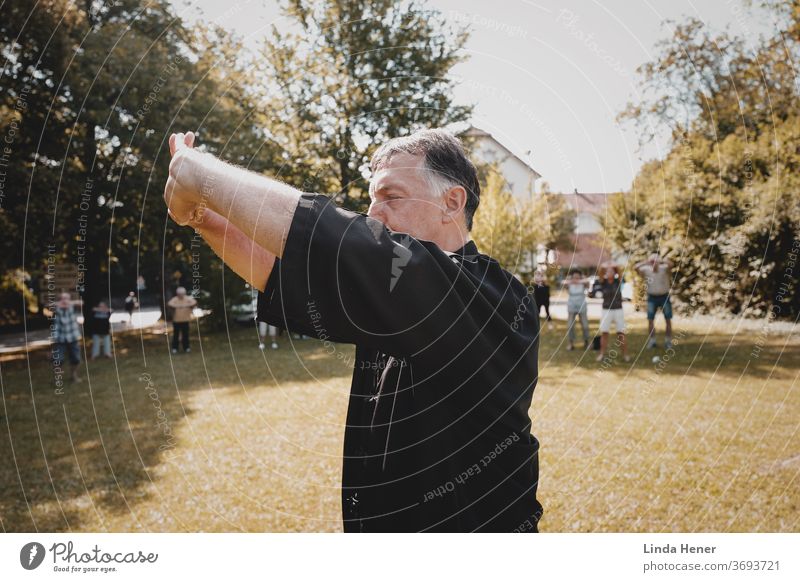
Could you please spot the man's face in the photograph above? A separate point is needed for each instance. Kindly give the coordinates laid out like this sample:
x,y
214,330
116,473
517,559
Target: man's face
x,y
402,199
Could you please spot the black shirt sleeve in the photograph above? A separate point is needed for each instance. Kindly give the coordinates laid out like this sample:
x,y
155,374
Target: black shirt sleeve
x,y
345,277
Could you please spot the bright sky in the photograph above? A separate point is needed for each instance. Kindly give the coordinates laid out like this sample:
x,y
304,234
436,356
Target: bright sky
x,y
546,76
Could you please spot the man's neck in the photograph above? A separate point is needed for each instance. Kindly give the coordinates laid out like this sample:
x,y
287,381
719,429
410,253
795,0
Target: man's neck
x,y
453,240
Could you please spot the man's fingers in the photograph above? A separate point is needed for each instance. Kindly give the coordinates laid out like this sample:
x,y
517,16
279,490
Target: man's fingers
x,y
175,218
179,141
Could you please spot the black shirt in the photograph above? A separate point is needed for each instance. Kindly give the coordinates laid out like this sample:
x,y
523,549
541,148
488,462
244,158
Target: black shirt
x,y
101,322
438,432
612,293
541,293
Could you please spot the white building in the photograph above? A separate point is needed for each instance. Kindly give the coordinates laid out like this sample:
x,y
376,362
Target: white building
x,y
519,176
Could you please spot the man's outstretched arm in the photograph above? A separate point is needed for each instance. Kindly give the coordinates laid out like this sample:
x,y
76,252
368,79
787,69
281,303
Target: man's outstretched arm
x,y
243,256
260,208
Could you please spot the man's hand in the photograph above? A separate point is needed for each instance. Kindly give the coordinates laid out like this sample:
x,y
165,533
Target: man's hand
x,y
261,208
182,192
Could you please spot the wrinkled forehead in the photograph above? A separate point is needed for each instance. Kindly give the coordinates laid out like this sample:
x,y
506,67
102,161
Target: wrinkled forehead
x,y
401,169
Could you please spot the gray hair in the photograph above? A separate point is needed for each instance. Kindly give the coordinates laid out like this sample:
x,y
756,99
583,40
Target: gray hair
x,y
446,162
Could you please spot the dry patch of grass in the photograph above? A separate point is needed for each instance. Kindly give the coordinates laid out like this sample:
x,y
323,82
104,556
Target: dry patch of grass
x,y
232,439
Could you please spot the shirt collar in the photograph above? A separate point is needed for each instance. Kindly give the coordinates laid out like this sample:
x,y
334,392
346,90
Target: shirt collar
x,y
467,250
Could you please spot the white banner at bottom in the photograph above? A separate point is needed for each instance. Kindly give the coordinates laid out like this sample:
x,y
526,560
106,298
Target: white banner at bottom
x,y
406,558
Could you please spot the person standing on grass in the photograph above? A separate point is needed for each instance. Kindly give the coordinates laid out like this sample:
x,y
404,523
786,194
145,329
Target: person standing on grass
x,y
541,294
612,309
182,307
576,307
67,335
264,330
130,305
438,423
657,276
101,330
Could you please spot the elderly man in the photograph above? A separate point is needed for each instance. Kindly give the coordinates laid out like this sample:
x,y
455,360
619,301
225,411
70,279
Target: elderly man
x,y
182,308
657,276
438,431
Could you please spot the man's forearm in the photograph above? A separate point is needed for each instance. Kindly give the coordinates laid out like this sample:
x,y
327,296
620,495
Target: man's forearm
x,y
258,206
244,257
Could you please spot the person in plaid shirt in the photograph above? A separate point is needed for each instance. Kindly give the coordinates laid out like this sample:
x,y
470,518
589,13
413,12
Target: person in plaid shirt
x,y
67,334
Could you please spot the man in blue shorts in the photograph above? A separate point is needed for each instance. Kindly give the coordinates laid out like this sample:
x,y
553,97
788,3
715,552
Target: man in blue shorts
x,y
657,276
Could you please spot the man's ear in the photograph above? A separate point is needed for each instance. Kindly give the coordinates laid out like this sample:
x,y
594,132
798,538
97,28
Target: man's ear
x,y
455,199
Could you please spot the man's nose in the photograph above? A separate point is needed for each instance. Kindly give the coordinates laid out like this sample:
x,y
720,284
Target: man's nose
x,y
377,211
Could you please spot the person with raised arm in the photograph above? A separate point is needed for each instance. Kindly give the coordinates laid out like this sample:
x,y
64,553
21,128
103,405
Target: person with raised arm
x,y
438,434
657,275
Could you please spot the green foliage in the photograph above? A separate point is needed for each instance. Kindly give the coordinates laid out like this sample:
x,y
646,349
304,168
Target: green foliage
x,y
94,89
14,293
503,227
559,219
345,76
513,231
722,204
91,91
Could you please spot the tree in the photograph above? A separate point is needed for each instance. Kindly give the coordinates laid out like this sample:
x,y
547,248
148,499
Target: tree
x,y
559,219
722,202
348,75
103,84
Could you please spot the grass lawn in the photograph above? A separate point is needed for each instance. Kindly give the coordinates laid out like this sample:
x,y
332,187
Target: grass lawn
x,y
228,438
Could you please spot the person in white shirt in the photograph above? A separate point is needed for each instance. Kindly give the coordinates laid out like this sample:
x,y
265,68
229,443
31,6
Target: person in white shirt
x,y
657,275
183,306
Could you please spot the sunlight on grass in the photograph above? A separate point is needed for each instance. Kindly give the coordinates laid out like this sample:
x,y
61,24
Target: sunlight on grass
x,y
230,438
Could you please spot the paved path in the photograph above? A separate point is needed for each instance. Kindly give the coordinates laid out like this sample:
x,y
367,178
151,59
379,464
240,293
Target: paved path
x,y
18,342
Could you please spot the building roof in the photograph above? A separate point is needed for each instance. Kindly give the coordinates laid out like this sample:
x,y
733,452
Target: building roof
x,y
594,202
473,131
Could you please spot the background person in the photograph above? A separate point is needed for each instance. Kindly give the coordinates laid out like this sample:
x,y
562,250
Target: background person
x,y
67,335
576,307
101,330
264,330
130,305
182,305
657,275
612,309
541,294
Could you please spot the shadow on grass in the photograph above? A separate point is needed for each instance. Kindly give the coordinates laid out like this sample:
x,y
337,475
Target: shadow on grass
x,y
92,448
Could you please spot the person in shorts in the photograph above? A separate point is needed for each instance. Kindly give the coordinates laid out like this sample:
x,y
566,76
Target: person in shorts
x,y
656,273
264,330
612,309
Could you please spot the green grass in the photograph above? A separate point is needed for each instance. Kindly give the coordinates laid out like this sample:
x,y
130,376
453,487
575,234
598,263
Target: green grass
x,y
708,441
